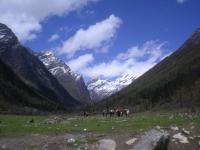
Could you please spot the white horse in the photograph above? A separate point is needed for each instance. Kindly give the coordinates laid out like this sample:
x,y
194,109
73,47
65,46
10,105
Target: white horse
x,y
112,112
105,112
126,111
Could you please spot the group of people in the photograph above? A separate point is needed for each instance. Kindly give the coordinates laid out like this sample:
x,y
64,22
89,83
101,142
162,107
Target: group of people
x,y
117,112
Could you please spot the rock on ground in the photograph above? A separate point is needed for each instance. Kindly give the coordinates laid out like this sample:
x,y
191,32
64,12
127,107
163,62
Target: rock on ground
x,y
174,128
153,140
107,144
182,139
131,141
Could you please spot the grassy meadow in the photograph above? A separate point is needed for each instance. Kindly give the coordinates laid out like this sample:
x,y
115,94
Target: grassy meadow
x,y
18,125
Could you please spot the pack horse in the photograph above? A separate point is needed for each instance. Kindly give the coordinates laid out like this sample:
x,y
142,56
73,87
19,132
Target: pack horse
x,y
118,112
122,112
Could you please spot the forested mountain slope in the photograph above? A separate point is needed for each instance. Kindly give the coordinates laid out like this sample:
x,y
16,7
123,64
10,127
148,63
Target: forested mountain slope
x,y
174,81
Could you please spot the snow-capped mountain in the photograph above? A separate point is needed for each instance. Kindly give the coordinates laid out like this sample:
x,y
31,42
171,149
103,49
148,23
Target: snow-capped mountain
x,y
100,89
96,89
70,80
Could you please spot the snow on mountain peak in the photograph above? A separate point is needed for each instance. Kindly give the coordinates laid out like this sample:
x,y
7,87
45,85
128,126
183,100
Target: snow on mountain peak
x,y
100,89
70,80
7,37
47,58
55,65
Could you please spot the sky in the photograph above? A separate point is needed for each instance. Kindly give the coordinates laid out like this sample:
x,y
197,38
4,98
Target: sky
x,y
103,38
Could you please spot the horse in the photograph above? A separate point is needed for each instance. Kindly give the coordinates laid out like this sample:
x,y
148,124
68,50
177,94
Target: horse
x,y
112,112
121,112
104,113
126,112
85,114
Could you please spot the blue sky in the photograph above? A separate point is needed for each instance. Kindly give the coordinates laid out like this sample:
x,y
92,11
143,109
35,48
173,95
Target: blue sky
x,y
104,38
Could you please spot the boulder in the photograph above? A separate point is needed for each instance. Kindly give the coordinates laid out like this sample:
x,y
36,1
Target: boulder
x,y
182,139
107,144
131,141
153,140
71,140
174,128
184,131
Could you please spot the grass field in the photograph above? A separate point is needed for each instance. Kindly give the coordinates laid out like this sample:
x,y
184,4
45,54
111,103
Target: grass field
x,y
15,125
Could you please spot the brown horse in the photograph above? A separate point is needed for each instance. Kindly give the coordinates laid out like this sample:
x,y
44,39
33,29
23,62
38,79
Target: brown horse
x,y
85,114
121,112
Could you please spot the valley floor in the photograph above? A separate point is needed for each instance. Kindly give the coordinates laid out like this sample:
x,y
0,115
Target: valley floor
x,y
76,132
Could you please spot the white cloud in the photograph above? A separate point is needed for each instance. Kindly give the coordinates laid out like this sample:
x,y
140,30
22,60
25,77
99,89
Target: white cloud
x,y
80,62
95,37
24,26
25,16
135,60
150,50
106,69
54,37
181,1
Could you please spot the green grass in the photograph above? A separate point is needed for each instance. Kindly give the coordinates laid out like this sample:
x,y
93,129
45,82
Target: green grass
x,y
13,125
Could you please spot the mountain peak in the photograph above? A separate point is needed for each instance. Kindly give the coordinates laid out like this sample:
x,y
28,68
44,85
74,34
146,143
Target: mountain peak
x,y
92,80
56,65
7,37
48,53
47,57
100,89
71,81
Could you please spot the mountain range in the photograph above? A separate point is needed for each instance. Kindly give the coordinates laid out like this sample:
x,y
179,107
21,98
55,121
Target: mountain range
x,y
45,79
42,81
94,90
